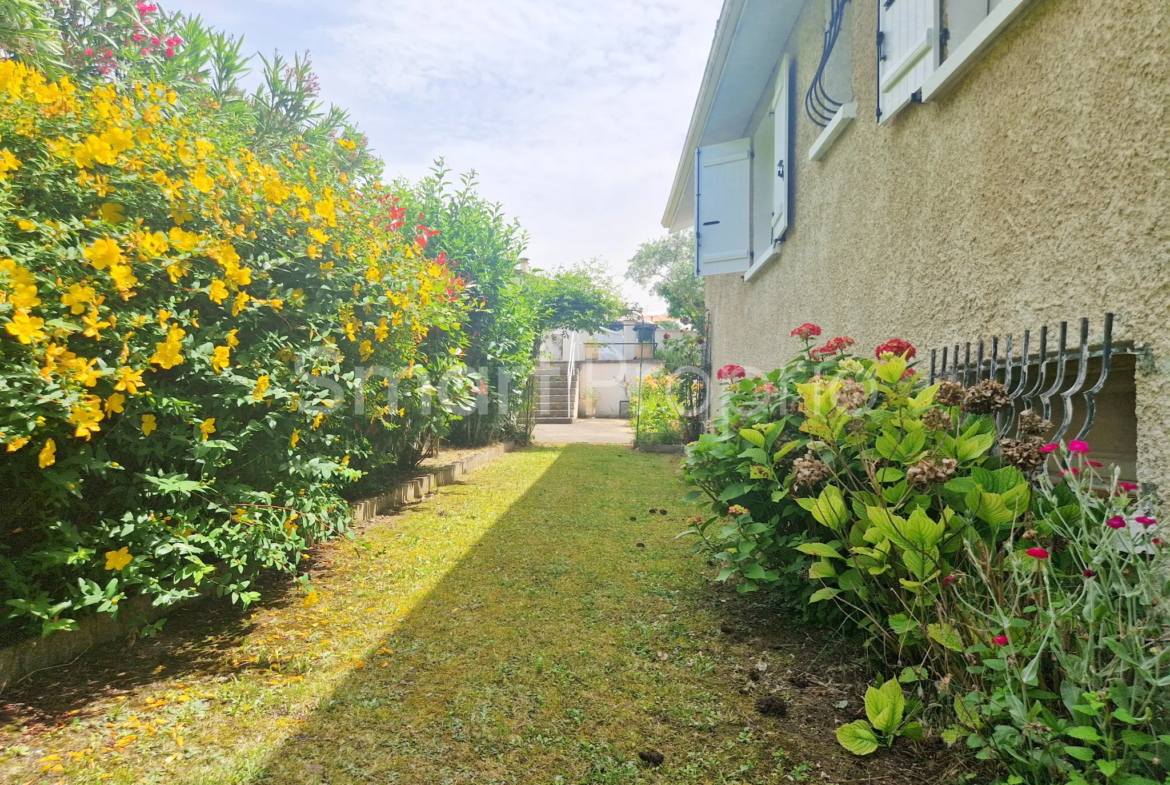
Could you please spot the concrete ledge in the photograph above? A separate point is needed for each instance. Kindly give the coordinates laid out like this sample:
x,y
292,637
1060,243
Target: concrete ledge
x,y
662,448
36,654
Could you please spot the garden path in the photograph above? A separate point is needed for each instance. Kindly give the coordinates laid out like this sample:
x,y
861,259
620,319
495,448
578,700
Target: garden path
x,y
535,625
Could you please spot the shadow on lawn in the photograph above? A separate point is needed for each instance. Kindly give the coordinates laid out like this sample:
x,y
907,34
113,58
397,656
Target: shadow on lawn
x,y
576,633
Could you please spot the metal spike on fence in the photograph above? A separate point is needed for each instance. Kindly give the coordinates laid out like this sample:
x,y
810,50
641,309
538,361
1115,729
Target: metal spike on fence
x,y
1026,388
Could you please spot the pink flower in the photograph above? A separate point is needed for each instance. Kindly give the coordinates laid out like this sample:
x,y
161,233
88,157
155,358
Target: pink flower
x,y
730,373
1095,464
949,580
806,331
834,346
1050,448
89,51
1157,541
136,37
1088,573
1079,447
1127,486
898,348
1116,522
735,509
1000,640
170,52
155,40
1069,471
1037,553
1146,520
146,8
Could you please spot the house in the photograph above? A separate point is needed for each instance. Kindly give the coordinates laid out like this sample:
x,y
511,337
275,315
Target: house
x,y
602,365
944,171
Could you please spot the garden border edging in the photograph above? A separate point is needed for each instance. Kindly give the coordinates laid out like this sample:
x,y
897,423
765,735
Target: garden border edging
x,y
35,654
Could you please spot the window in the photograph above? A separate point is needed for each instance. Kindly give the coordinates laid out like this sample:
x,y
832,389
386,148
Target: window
x,y
908,52
971,26
723,176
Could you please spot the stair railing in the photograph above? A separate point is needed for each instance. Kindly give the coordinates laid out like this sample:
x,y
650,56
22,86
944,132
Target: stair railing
x,y
571,357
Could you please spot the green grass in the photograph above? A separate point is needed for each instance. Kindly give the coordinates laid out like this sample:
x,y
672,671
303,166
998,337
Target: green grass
x,y
509,630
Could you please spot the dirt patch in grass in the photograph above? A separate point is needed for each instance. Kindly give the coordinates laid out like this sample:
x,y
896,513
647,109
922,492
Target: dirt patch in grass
x,y
508,630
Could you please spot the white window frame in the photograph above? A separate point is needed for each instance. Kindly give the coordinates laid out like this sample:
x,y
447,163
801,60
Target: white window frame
x,y
841,120
968,51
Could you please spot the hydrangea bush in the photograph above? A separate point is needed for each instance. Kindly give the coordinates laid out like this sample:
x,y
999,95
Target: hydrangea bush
x,y
1033,608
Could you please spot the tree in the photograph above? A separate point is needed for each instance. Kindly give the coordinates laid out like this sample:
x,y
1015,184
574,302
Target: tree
x,y
667,266
579,298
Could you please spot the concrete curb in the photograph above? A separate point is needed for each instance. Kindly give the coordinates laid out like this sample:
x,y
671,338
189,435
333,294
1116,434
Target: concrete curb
x,y
669,449
36,654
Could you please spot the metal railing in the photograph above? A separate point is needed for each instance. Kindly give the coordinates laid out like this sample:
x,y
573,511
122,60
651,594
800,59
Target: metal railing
x,y
570,399
1026,378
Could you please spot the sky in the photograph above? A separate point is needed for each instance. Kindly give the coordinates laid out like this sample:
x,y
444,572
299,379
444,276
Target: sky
x,y
573,113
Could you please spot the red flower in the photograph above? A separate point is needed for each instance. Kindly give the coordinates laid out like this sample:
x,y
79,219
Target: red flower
x,y
1000,640
1157,541
950,579
1088,573
1146,520
898,348
1095,464
666,336
1126,486
834,346
1037,553
170,52
730,373
806,331
1079,447
1116,522
1050,448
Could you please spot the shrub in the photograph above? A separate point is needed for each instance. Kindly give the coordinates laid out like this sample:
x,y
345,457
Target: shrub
x,y
183,317
1035,608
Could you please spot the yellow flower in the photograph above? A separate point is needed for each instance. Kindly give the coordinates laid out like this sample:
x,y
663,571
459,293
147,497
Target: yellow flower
x,y
78,296
17,443
220,358
366,349
85,416
218,291
123,277
115,403
312,598
207,427
85,374
26,225
25,328
129,380
117,560
149,424
168,353
183,240
232,340
93,324
113,213
382,331
48,454
240,303
103,253
8,163
296,437
262,385
201,181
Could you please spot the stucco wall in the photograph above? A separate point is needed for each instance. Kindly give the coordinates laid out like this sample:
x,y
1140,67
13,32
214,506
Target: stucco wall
x,y
1034,192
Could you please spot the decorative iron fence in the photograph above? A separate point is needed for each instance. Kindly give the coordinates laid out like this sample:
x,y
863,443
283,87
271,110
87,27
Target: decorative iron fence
x,y
1041,377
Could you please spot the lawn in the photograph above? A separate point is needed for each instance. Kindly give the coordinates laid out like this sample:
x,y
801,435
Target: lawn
x,y
535,625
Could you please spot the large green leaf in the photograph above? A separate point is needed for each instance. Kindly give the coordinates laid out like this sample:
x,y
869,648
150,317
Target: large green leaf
x,y
945,635
826,593
822,570
734,491
830,509
753,436
896,700
819,549
857,737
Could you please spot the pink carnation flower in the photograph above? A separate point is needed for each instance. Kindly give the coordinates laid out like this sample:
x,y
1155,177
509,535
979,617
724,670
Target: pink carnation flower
x,y
1116,522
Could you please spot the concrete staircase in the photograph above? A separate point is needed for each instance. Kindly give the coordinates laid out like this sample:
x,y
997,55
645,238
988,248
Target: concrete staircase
x,y
555,394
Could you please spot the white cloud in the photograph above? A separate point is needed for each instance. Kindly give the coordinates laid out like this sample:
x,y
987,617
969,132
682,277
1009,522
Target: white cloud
x,y
572,111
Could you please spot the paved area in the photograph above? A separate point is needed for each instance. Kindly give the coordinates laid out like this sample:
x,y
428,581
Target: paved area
x,y
594,430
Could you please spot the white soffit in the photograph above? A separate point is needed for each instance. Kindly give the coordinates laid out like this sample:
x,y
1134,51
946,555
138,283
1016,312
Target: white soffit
x,y
749,42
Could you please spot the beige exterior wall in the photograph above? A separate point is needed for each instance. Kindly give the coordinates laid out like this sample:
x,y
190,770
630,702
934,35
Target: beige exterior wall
x,y
1035,191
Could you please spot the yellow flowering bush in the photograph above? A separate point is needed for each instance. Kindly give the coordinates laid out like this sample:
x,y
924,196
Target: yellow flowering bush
x,y
183,313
